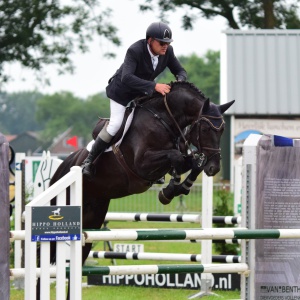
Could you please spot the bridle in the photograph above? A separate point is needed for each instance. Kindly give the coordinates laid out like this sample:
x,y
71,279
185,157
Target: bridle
x,y
197,124
199,154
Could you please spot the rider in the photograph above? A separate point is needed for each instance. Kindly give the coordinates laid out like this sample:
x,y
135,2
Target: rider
x,y
144,61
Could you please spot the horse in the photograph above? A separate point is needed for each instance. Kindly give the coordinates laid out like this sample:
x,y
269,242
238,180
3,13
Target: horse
x,y
173,134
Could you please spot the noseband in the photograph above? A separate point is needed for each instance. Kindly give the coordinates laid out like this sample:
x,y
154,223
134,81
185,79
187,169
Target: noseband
x,y
198,123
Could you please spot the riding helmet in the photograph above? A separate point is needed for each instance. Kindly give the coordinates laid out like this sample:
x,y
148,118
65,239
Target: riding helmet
x,y
159,31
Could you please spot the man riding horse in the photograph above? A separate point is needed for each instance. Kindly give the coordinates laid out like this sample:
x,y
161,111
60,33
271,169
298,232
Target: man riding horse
x,y
144,61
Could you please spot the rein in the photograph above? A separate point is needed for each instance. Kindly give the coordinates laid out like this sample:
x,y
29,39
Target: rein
x,y
197,123
178,127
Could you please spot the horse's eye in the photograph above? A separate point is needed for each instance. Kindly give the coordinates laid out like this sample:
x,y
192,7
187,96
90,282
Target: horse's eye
x,y
205,129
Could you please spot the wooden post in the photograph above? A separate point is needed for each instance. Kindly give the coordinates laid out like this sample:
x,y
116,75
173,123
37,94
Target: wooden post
x,y
4,219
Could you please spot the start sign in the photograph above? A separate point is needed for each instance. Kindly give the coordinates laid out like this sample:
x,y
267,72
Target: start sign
x,y
129,248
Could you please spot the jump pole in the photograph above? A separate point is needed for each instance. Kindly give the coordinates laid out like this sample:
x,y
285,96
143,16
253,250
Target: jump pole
x,y
181,234
146,269
178,218
162,256
190,234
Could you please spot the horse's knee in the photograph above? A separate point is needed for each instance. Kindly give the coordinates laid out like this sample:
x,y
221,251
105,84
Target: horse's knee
x,y
177,160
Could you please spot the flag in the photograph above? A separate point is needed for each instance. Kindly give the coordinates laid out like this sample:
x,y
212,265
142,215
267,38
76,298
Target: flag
x,y
73,141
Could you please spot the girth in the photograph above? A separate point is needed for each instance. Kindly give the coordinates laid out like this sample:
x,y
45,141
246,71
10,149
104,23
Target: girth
x,y
133,178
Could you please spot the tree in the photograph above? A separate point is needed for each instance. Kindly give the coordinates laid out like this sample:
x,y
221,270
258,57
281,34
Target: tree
x,y
62,110
203,72
264,14
37,33
17,112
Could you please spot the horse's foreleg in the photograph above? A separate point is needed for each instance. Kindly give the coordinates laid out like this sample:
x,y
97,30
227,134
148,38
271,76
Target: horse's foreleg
x,y
197,167
167,194
175,188
155,162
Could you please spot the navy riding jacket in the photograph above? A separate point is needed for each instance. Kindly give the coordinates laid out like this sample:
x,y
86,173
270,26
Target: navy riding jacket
x,y
136,76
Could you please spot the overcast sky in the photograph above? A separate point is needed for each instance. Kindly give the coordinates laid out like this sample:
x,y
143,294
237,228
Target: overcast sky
x,y
93,70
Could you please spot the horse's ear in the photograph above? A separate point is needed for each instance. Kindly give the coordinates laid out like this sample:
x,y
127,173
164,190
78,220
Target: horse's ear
x,y
206,105
224,107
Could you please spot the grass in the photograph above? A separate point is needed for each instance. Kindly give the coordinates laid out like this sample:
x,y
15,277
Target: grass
x,y
133,293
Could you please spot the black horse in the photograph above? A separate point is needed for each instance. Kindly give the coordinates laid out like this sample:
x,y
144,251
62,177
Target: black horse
x,y
175,134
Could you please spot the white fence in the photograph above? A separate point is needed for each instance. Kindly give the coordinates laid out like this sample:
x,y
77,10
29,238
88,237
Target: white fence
x,y
73,180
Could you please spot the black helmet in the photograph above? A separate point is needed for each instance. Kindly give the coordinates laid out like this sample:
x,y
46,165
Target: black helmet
x,y
159,31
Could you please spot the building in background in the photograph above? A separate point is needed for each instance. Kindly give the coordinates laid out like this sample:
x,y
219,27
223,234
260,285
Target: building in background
x,y
260,69
29,143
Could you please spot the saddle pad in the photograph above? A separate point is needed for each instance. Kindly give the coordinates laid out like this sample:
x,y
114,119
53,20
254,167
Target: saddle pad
x,y
127,125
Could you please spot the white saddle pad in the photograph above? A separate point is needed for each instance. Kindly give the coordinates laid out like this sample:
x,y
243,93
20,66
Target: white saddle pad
x,y
127,125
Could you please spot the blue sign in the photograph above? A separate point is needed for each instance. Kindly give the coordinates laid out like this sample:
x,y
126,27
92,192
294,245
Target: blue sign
x,y
55,238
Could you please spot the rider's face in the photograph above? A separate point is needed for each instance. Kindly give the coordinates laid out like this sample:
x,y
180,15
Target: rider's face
x,y
158,47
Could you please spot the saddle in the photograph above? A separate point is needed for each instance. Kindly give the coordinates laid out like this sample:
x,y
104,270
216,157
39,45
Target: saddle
x,y
102,121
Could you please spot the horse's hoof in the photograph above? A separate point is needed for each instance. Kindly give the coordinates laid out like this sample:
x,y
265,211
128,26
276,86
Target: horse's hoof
x,y
163,199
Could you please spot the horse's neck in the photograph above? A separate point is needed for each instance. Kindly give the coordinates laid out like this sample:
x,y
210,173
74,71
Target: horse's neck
x,y
186,110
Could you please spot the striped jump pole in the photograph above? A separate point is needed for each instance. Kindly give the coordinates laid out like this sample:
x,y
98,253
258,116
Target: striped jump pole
x,y
190,234
189,218
147,269
162,256
166,269
16,235
187,234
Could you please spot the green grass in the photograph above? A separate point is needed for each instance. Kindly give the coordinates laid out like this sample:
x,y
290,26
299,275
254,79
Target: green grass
x,y
133,293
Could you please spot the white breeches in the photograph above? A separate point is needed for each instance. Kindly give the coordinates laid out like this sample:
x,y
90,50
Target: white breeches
x,y
116,117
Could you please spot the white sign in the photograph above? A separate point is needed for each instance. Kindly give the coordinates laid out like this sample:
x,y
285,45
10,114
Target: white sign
x,y
129,247
288,128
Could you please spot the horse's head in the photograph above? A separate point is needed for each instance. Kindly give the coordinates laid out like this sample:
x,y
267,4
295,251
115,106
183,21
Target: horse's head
x,y
205,134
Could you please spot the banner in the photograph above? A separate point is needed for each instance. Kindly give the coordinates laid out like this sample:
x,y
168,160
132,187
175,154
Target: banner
x,y
277,274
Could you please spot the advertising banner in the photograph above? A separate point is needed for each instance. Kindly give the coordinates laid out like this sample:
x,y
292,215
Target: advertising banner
x,y
55,223
277,273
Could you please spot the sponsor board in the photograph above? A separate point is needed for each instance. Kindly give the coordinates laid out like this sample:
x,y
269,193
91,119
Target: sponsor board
x,y
228,282
56,223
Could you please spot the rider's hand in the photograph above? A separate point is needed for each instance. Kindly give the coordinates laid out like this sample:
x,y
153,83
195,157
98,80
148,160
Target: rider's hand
x,y
162,88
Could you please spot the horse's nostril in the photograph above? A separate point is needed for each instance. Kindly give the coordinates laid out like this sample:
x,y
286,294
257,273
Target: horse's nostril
x,y
213,170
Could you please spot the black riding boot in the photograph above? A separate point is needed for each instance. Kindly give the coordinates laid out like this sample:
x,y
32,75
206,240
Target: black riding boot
x,y
97,149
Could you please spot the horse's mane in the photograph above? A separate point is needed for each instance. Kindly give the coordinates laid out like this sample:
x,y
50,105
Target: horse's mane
x,y
180,84
174,86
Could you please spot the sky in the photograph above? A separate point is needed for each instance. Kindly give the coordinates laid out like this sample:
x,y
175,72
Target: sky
x,y
93,70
